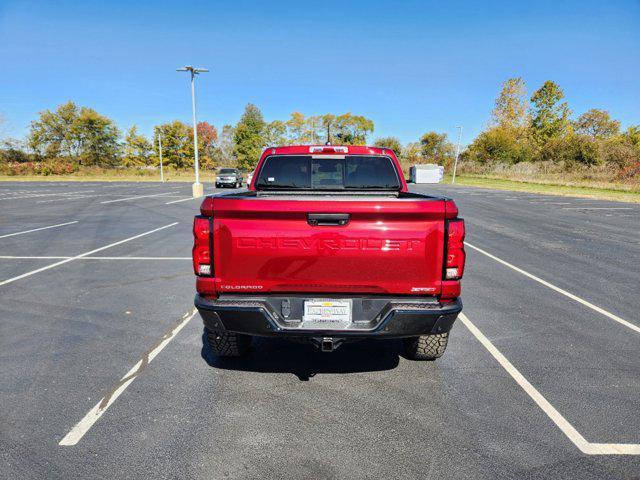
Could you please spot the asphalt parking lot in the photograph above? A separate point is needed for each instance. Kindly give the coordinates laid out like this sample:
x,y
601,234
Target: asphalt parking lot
x,y
103,373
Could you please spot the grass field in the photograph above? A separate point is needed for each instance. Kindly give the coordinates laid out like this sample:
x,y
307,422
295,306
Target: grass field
x,y
619,193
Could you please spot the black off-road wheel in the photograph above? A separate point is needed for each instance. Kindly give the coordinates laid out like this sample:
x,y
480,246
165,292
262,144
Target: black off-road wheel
x,y
228,344
426,347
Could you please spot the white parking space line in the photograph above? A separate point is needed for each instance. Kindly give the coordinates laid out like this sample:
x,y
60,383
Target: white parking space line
x,y
95,196
38,229
597,208
24,257
66,199
13,192
550,200
46,195
182,200
83,426
82,255
135,198
136,258
570,295
78,197
20,257
557,418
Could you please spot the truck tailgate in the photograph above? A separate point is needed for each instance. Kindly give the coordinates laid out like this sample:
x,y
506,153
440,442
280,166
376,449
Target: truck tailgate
x,y
271,244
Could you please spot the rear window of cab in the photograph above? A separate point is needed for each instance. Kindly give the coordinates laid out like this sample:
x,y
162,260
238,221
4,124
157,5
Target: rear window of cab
x,y
307,172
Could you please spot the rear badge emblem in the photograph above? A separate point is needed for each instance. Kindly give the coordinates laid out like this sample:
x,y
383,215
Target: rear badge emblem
x,y
423,289
285,307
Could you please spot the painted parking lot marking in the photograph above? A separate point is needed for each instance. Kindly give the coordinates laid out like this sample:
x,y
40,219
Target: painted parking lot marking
x,y
597,208
67,198
135,198
557,418
38,229
92,416
570,295
61,257
20,192
548,202
77,197
181,200
45,195
137,258
82,255
20,257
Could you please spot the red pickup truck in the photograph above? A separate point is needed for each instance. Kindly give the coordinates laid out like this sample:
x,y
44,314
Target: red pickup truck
x,y
328,245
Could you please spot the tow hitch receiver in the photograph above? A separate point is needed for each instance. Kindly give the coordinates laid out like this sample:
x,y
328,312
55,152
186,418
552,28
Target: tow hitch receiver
x,y
327,344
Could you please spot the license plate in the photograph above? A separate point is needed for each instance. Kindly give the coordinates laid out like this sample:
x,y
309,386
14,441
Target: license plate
x,y
326,314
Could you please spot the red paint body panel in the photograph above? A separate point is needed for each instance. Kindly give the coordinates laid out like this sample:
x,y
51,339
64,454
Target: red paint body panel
x,y
388,246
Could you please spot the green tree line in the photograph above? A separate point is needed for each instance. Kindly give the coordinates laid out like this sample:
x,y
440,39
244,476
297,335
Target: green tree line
x,y
533,129
541,128
522,128
83,137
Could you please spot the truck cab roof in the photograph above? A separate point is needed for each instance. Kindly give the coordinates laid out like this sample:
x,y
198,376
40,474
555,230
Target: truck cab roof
x,y
351,171
327,149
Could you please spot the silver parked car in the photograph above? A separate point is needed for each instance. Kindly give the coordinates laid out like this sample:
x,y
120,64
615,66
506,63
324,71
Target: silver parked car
x,y
229,177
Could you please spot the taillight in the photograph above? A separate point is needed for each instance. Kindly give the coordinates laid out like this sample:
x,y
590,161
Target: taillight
x,y
201,253
454,265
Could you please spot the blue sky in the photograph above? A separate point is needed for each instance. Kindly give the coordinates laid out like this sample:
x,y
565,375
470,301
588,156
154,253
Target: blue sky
x,y
409,66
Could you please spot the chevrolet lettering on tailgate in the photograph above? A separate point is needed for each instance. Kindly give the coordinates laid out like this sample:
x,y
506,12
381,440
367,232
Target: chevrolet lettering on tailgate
x,y
300,243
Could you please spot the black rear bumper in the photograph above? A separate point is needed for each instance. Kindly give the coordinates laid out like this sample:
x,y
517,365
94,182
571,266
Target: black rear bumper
x,y
373,316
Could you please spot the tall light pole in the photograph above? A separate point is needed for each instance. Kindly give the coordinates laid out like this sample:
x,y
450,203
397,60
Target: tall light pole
x,y
455,164
198,191
160,152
